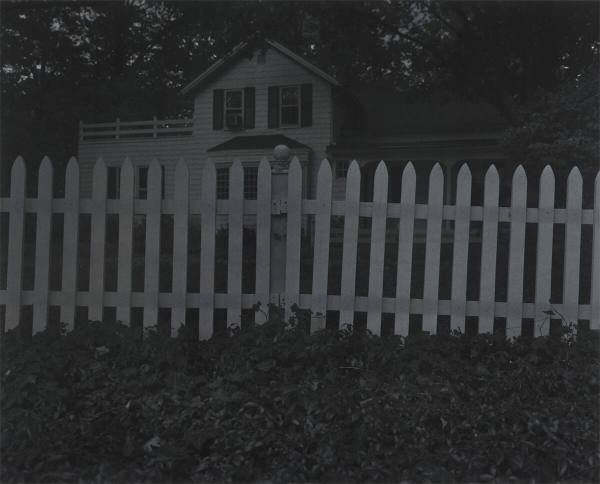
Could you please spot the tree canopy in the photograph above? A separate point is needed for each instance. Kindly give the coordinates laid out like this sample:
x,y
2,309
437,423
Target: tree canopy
x,y
96,61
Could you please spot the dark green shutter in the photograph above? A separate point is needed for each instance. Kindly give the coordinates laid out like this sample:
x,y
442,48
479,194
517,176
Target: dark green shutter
x,y
249,107
273,107
306,105
218,109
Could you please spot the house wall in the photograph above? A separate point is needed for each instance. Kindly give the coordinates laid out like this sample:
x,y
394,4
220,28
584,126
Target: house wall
x,y
278,70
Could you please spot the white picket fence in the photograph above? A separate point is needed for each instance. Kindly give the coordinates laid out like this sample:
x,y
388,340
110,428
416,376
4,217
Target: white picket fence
x,y
236,209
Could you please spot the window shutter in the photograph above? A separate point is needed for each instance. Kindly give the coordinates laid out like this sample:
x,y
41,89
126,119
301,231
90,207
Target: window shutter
x,y
306,102
249,107
273,107
218,109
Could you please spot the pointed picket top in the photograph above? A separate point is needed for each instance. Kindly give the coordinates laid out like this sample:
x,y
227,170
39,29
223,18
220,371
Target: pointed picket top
x,y
436,184
127,180
491,190
519,187
72,176
99,166
264,179
46,172
209,179
464,176
547,182
409,183
380,186
295,167
324,176
18,173
236,180
574,188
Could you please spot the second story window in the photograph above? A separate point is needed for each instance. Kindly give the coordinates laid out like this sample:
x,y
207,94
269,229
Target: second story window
x,y
222,183
290,106
234,111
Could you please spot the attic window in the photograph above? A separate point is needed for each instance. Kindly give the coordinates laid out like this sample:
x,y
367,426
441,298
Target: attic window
x,y
290,106
234,114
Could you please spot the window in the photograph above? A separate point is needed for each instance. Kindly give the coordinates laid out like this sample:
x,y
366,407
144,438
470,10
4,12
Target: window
x,y
234,115
341,169
222,183
113,182
250,182
289,106
141,187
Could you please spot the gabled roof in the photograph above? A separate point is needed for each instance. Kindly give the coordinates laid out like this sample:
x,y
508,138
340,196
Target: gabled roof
x,y
260,142
240,49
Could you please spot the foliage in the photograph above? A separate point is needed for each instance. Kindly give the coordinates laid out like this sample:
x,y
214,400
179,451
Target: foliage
x,y
271,403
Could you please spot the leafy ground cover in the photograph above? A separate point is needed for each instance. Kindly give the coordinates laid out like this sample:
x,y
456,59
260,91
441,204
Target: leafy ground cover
x,y
272,403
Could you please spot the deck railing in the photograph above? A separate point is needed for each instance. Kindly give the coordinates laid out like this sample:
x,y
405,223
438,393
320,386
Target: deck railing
x,y
153,128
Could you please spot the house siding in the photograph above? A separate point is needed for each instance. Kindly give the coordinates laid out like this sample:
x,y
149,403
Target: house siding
x,y
278,70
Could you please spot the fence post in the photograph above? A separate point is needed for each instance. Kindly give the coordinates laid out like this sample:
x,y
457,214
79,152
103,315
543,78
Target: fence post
x,y
572,246
98,237
125,251
263,237
235,243
207,255
180,243
293,233
15,243
42,246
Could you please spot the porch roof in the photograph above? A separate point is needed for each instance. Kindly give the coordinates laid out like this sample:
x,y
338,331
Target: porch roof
x,y
259,142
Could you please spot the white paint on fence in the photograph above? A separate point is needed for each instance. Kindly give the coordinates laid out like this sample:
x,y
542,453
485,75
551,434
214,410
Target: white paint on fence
x,y
377,254
435,207
487,282
235,244
207,253
97,241
42,245
572,246
16,222
460,254
263,238
293,237
125,251
70,246
321,247
405,249
152,255
352,208
180,243
183,205
543,265
516,252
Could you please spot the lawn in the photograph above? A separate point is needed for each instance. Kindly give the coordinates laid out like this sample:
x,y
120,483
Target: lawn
x,y
272,403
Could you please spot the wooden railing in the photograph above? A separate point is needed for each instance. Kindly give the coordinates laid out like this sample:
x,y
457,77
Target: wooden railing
x,y
153,128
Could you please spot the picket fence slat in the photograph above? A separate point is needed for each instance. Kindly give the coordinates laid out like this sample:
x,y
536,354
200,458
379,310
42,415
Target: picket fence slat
x,y
572,246
321,247
405,249
180,243
460,254
125,250
435,204
207,252
487,282
236,236
516,252
42,245
16,222
97,241
352,206
152,255
263,237
293,237
377,253
595,296
70,245
543,265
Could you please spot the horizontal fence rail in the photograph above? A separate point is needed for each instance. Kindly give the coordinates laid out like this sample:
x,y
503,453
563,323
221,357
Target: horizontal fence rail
x,y
279,256
153,128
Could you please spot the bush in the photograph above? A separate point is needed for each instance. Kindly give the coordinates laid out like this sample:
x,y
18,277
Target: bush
x,y
271,403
